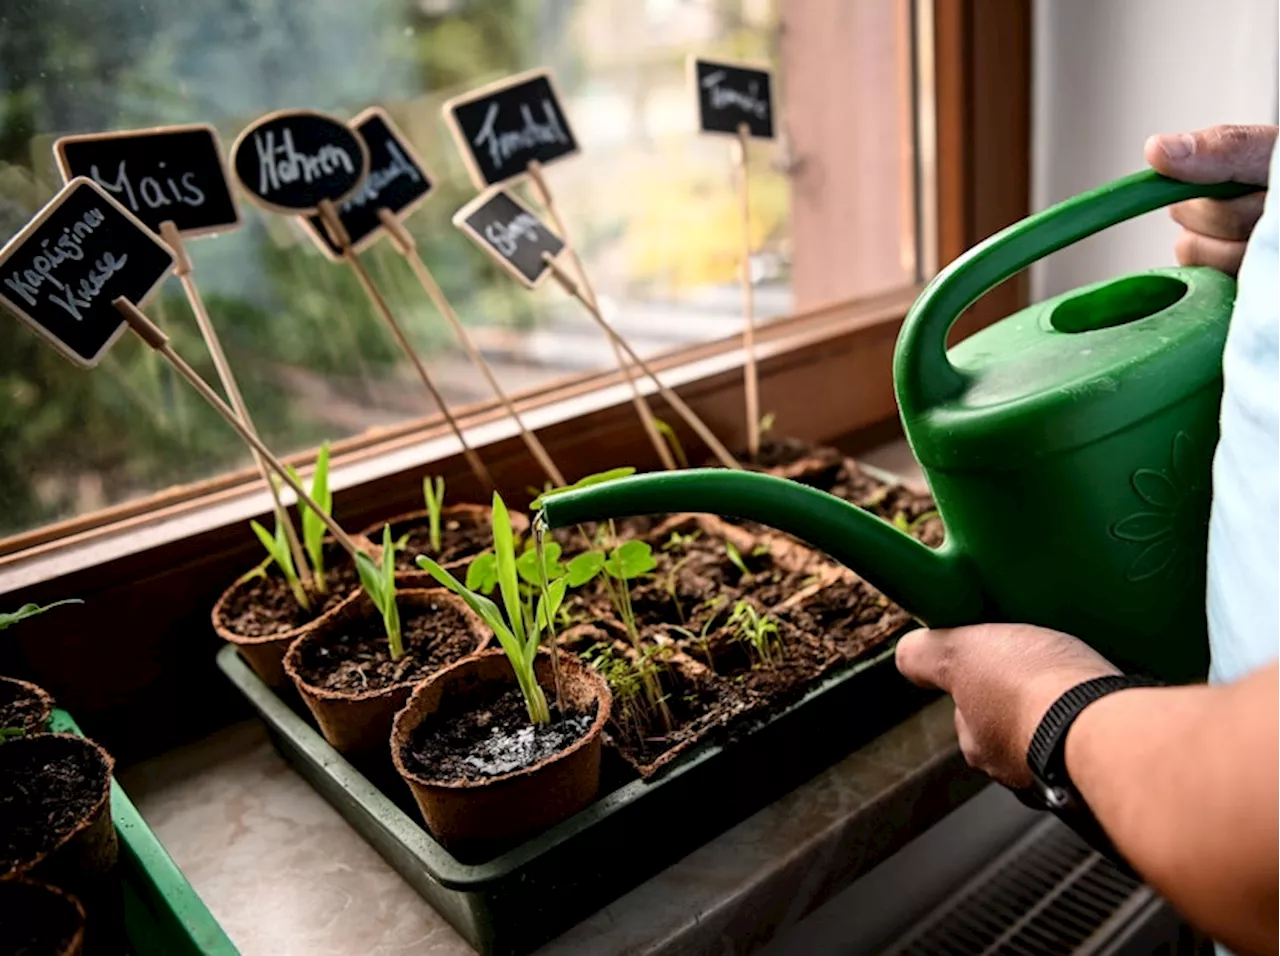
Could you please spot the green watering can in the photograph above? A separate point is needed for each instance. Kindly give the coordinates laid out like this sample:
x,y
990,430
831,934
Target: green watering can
x,y
1068,446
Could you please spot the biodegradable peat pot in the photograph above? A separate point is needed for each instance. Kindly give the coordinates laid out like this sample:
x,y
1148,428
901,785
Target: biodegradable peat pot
x,y
261,617
24,705
40,920
479,810
343,671
55,809
465,531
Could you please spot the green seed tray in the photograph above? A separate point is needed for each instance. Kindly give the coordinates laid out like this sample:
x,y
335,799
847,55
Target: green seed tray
x,y
161,913
513,902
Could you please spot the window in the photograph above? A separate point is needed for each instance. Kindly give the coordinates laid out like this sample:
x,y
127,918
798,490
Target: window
x,y
651,205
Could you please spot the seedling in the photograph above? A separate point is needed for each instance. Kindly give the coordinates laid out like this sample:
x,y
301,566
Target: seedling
x,y
736,559
519,635
703,637
380,584
758,631
670,583
313,529
277,547
433,492
599,478
678,541
901,522
10,733
629,680
673,442
11,618
767,421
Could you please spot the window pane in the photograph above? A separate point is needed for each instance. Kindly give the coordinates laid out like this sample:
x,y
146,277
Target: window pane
x,y
652,206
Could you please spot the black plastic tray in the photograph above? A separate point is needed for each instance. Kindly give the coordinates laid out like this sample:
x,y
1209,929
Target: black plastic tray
x,y
536,890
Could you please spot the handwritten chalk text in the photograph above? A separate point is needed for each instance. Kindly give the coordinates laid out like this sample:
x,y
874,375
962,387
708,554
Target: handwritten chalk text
x,y
281,164
74,294
503,145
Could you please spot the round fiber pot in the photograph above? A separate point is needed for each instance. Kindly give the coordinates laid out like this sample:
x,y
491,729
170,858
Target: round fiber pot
x,y
465,531
326,665
469,812
263,643
40,919
55,809
24,705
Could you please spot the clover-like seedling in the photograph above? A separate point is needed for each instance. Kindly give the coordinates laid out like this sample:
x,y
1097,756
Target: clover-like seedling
x,y
433,494
519,632
11,618
379,582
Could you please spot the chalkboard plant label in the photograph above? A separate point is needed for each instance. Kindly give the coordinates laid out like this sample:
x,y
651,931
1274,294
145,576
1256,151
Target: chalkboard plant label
x,y
397,181
730,94
292,160
502,128
505,228
173,173
61,273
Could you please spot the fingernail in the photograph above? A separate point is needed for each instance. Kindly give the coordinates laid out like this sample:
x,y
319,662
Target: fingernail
x,y
1178,147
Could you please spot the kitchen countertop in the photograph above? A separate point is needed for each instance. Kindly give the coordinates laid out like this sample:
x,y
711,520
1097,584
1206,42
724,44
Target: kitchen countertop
x,y
285,875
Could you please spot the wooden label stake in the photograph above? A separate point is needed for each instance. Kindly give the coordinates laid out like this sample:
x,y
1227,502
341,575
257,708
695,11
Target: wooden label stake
x,y
584,283
407,247
688,414
182,268
750,379
151,334
339,236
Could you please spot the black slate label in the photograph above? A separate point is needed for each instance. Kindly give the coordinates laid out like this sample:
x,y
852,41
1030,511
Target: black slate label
x,y
502,128
508,231
291,160
397,181
170,173
61,273
733,93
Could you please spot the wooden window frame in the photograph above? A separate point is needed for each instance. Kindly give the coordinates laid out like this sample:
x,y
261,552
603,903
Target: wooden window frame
x,y
135,661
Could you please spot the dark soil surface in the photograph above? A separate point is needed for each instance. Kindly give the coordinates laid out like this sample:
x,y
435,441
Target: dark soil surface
x,y
18,709
267,605
35,921
489,739
49,785
460,538
357,657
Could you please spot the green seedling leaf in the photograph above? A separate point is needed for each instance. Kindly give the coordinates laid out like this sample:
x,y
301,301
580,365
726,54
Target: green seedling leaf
x,y
527,564
11,618
546,612
379,581
613,474
10,733
482,573
767,422
584,567
313,528
900,521
504,548
277,546
673,441
630,560
735,558
433,494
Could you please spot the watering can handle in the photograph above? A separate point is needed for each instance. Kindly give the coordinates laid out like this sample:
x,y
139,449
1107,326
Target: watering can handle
x,y
923,377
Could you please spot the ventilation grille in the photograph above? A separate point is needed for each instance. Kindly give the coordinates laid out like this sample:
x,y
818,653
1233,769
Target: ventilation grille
x,y
1049,894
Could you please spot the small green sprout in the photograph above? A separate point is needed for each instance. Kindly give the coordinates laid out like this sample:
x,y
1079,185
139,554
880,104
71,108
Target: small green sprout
x,y
678,541
670,585
630,680
673,442
10,733
767,422
313,527
433,493
11,618
901,522
380,584
519,631
277,546
758,631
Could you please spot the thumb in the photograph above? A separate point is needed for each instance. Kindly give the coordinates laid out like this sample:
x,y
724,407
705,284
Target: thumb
x,y
923,657
1218,154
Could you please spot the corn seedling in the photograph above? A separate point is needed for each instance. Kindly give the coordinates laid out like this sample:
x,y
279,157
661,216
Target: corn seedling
x,y
673,442
519,635
379,582
313,529
277,546
11,618
433,494
758,631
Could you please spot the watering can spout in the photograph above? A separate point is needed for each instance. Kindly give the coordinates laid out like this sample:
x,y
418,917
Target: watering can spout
x,y
938,587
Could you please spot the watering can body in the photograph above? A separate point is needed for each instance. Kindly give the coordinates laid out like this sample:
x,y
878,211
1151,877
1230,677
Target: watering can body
x,y
1068,447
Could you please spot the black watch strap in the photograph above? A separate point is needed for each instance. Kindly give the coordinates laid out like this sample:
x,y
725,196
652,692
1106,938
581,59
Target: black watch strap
x,y
1046,757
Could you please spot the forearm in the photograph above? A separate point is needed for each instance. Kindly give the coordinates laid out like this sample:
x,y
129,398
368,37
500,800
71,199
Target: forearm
x,y
1184,780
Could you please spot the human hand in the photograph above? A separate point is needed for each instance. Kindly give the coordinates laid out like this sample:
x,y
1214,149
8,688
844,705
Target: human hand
x,y
1214,231
1003,677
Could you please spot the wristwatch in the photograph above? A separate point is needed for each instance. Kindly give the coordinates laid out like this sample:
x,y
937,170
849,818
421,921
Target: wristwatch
x,y
1052,788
